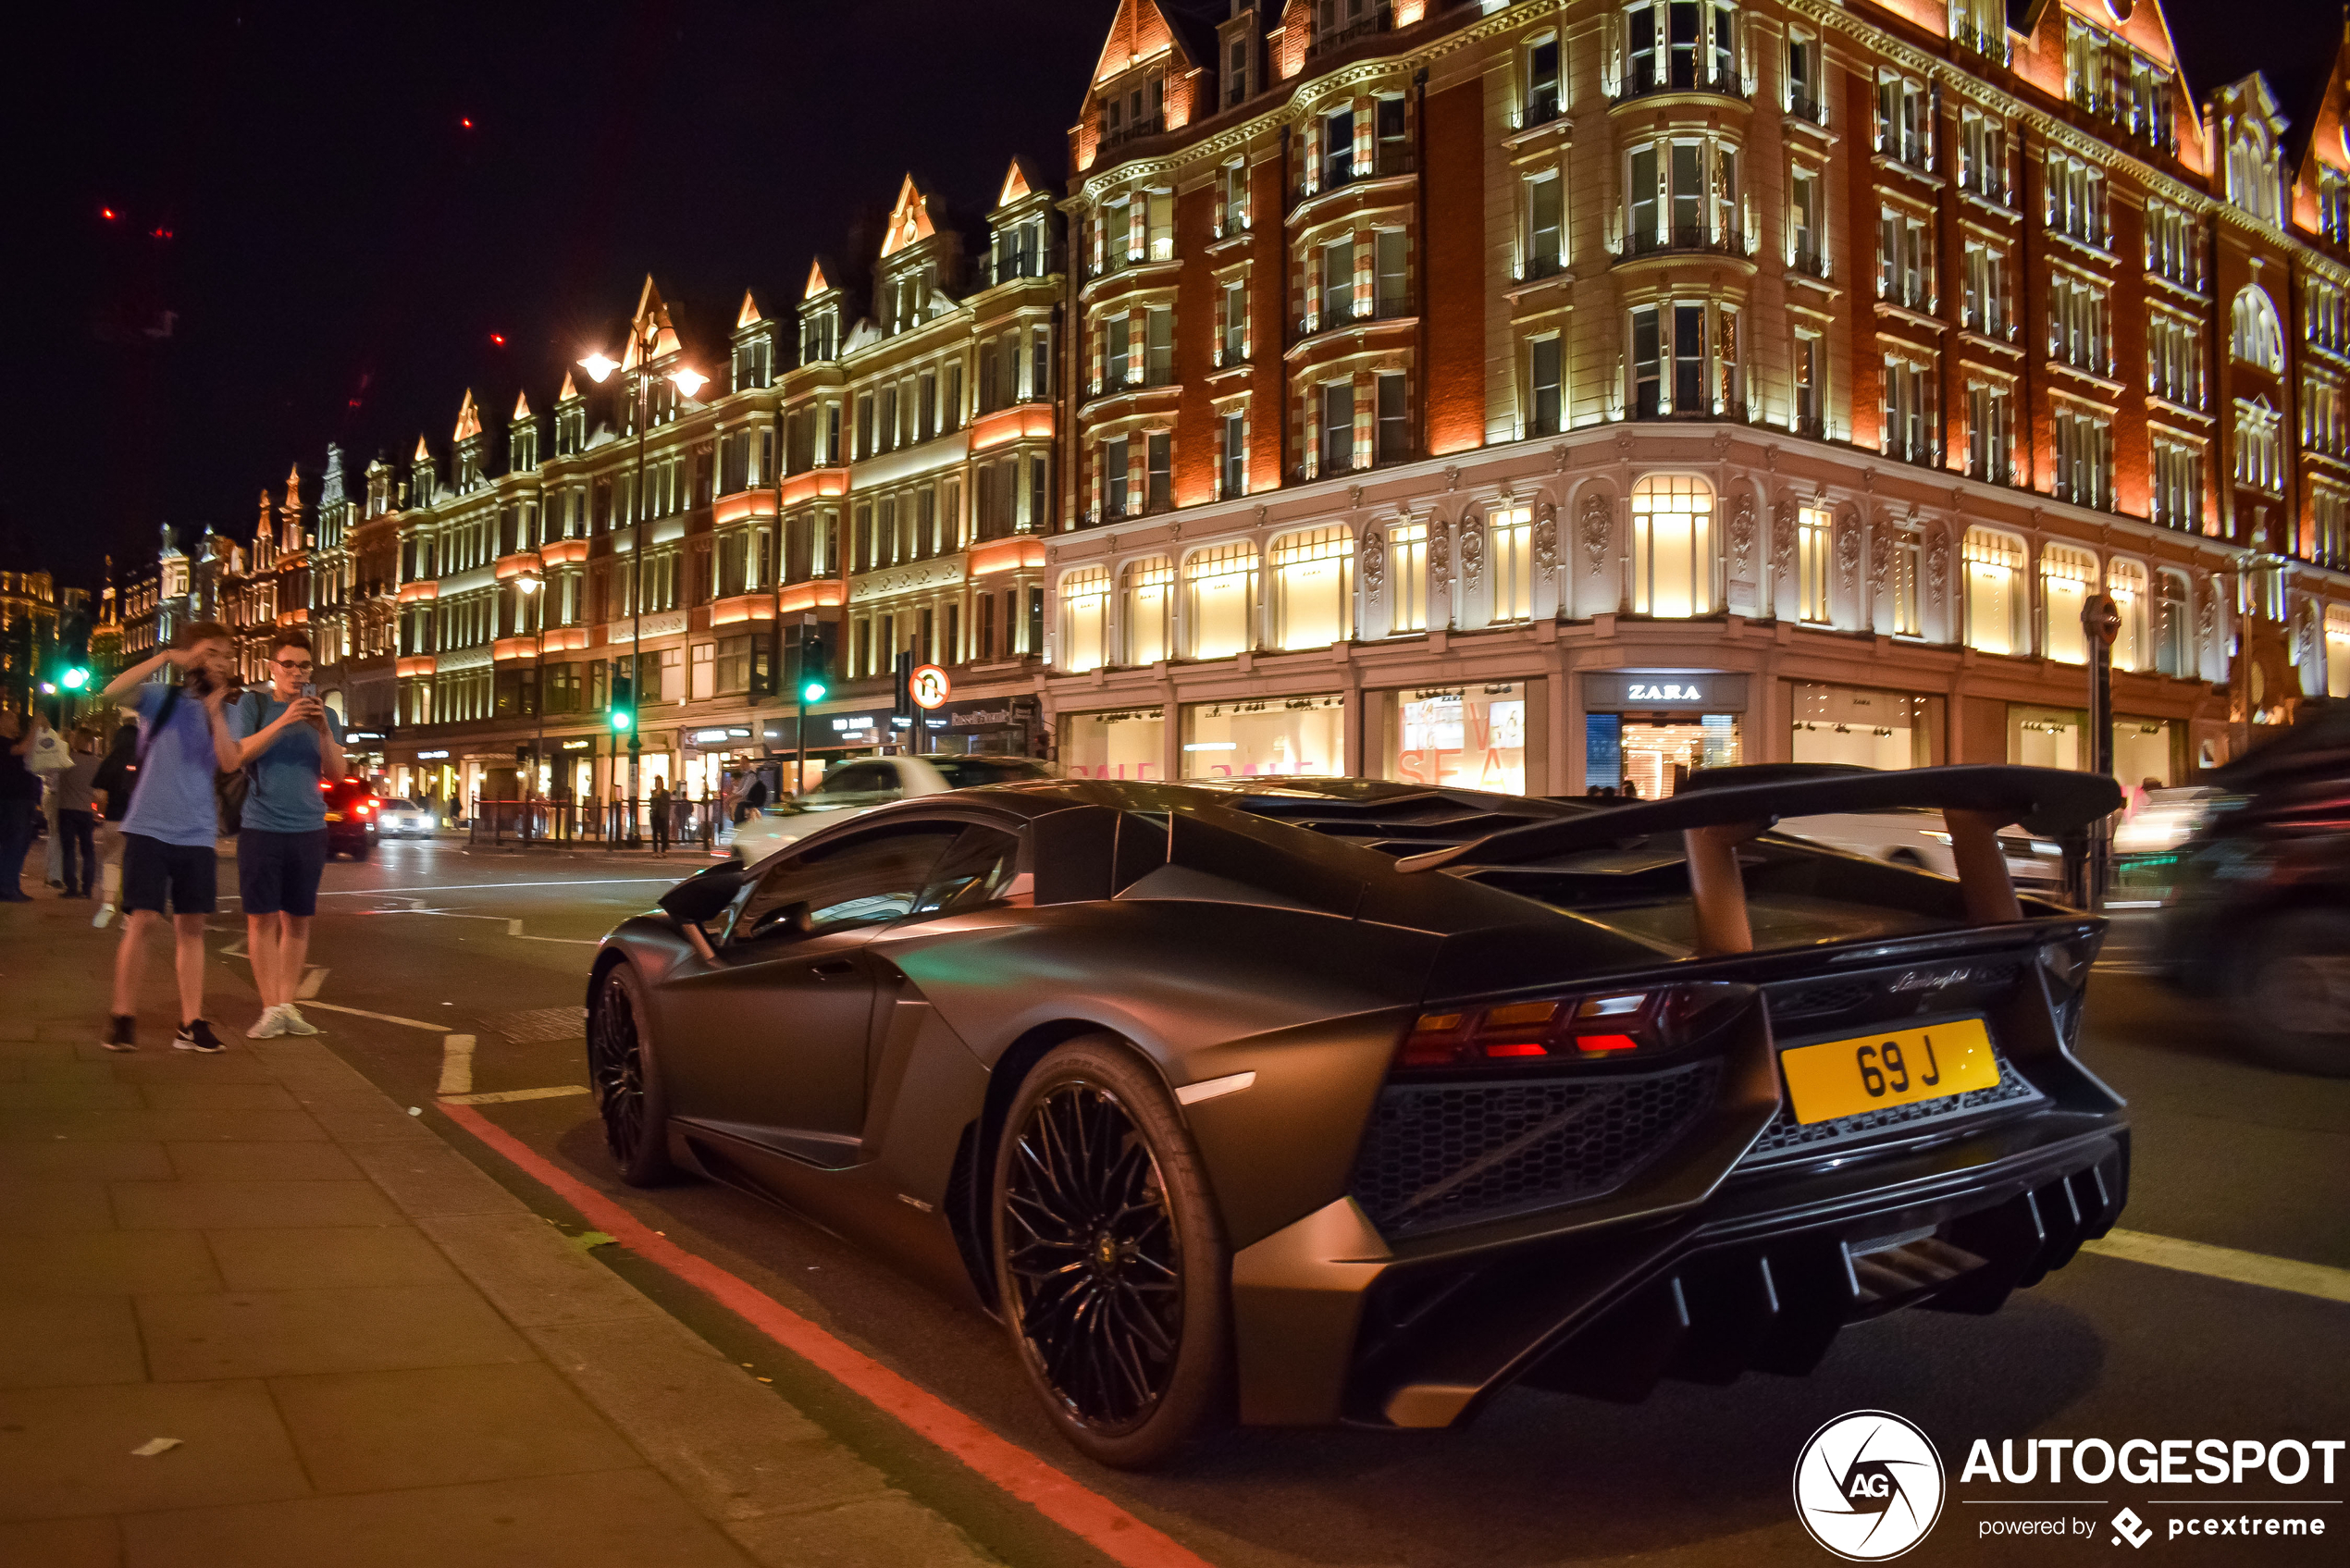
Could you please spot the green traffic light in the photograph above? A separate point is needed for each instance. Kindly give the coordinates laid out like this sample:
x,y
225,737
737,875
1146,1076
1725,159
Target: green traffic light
x,y
813,691
75,679
621,722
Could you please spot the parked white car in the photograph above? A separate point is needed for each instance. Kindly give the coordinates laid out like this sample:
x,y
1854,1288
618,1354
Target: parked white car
x,y
867,782
1916,837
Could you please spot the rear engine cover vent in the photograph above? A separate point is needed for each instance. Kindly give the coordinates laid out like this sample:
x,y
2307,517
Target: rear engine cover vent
x,y
1441,1154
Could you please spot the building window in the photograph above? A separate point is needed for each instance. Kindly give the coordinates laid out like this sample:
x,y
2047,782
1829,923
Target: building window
x,y
1681,45
1337,413
1804,99
1990,432
1544,414
1149,603
1682,195
1986,290
2256,464
1233,349
2174,245
1670,361
2126,582
1983,154
2255,337
2330,527
1909,411
1810,388
1545,226
2077,324
2177,501
1672,546
1394,421
1219,597
1994,597
1806,235
1159,492
1904,122
1234,198
1335,300
2066,575
1905,259
2252,181
2338,650
2076,200
1117,477
2083,458
1512,542
2174,638
1814,545
2325,320
2174,359
1231,457
2321,426
1407,569
1543,99
1390,280
1084,596
1313,587
2333,203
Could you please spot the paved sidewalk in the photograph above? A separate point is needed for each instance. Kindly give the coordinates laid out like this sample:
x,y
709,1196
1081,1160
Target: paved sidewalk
x,y
368,1352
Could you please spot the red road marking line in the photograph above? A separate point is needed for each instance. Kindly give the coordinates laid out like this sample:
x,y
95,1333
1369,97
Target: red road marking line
x,y
1085,1513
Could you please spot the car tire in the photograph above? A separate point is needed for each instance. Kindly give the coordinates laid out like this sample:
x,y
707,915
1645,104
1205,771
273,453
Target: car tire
x,y
1129,1383
626,1082
2293,984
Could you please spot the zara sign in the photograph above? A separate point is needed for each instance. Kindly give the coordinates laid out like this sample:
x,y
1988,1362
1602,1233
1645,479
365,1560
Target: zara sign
x,y
1606,693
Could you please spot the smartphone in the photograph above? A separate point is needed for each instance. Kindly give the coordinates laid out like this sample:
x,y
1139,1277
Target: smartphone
x,y
310,688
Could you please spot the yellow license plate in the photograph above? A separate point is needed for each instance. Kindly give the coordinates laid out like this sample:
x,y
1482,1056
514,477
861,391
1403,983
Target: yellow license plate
x,y
1900,1066
334,816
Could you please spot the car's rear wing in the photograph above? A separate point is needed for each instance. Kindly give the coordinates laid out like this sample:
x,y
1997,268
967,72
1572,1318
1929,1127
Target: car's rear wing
x,y
1975,802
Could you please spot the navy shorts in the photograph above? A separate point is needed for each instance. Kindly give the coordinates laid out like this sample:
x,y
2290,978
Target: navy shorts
x,y
184,875
278,872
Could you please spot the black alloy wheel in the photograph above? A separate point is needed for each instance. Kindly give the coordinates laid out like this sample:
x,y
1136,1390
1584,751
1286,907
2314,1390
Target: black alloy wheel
x,y
1109,1256
628,1087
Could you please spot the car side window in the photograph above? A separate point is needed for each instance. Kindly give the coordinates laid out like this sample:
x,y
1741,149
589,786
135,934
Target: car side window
x,y
978,870
862,878
861,778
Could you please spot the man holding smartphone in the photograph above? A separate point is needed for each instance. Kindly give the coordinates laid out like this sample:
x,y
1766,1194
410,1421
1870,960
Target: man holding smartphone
x,y
289,744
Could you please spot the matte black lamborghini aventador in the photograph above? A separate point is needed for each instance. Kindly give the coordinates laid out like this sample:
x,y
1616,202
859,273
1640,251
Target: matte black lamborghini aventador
x,y
1304,1101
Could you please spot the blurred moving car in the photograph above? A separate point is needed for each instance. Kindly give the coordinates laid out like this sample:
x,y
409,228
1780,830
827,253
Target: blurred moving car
x,y
352,811
2258,911
1915,838
404,819
867,782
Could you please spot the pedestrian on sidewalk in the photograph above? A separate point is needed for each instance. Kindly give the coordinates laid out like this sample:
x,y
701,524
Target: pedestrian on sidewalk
x,y
47,758
118,772
77,816
660,816
19,798
173,825
289,744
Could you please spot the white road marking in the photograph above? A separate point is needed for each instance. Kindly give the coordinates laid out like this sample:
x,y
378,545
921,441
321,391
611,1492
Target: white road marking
x,y
456,1064
486,886
380,1017
311,979
504,1096
2225,1262
514,929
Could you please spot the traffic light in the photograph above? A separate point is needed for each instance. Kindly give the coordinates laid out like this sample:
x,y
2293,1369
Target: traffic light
x,y
624,698
813,680
75,679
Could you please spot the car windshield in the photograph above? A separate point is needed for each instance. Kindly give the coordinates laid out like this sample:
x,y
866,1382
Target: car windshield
x,y
400,806
970,772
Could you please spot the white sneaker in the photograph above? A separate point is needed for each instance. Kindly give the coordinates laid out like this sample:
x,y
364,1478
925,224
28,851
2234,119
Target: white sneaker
x,y
291,1017
271,1024
104,917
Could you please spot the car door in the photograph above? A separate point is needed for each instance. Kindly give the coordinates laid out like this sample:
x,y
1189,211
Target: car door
x,y
777,1021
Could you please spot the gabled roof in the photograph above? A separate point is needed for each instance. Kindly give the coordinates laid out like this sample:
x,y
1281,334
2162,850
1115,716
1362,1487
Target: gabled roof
x,y
654,311
818,281
423,452
2292,43
749,314
569,392
521,407
1139,32
1021,181
468,418
909,222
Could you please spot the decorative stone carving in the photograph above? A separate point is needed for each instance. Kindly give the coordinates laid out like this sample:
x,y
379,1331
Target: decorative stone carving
x,y
1880,560
1783,537
1546,538
1353,496
1938,567
1847,551
2207,619
1623,446
1741,533
1599,529
1451,478
1374,560
1439,557
1472,553
1720,445
1560,454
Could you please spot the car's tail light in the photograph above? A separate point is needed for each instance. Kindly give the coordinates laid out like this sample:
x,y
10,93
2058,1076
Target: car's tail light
x,y
364,808
1593,1026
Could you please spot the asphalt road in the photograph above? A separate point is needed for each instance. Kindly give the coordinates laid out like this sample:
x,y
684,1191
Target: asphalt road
x,y
2228,1153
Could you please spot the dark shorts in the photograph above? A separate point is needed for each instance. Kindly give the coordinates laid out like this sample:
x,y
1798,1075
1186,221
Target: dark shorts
x,y
278,872
179,879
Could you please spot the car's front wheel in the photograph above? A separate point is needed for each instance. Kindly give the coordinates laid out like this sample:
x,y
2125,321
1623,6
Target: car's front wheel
x,y
2296,985
1110,1258
620,1070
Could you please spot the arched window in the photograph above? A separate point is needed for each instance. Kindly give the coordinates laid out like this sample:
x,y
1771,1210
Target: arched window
x,y
1149,594
1994,595
2066,574
1084,595
2126,581
1219,597
1313,587
2256,339
1672,546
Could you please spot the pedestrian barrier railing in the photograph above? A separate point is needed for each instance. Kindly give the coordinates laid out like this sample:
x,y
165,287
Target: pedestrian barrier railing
x,y
631,822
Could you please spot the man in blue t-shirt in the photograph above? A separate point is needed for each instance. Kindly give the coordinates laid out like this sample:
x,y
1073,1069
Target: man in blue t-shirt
x,y
289,746
174,821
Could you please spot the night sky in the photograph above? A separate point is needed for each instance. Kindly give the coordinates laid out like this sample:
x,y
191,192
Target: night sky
x,y
337,247
310,243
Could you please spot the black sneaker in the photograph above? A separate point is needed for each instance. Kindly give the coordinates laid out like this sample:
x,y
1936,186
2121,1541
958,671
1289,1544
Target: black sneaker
x,y
196,1035
122,1033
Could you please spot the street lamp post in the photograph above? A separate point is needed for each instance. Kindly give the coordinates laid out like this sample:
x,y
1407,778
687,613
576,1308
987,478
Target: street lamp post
x,y
644,338
528,586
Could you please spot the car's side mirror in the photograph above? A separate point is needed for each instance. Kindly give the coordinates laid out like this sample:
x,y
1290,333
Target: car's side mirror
x,y
786,919
704,895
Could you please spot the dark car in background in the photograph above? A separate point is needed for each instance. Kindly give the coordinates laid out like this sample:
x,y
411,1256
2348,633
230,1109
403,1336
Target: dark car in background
x,y
1338,1100
2259,911
353,810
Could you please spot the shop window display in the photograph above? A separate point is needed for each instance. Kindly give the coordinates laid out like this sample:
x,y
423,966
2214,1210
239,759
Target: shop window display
x,y
1862,728
1131,744
1460,738
1269,735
